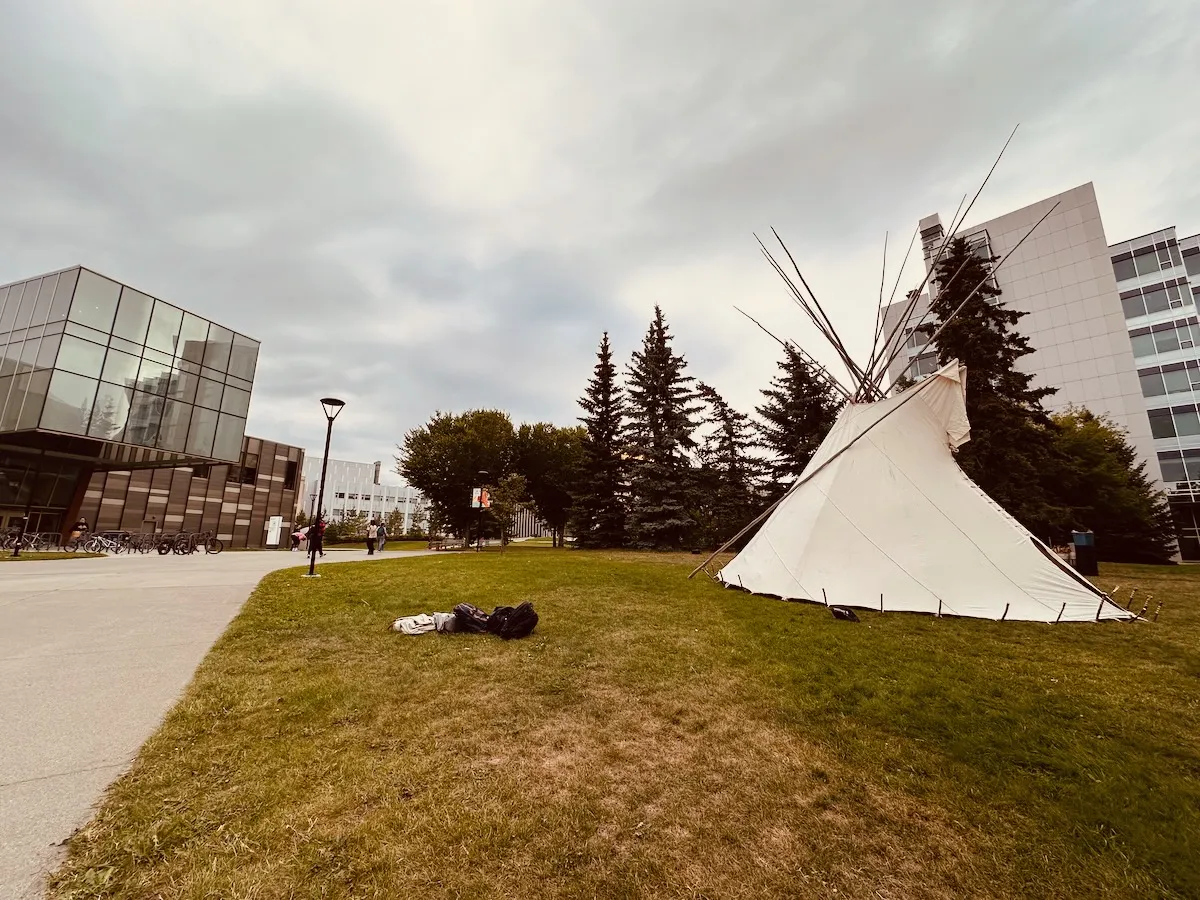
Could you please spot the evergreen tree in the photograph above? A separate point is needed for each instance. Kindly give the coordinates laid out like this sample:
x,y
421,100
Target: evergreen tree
x,y
800,408
1012,437
727,495
1099,479
662,416
598,514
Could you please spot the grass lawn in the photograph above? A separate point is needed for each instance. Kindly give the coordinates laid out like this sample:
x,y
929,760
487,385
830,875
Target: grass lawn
x,y
36,556
657,737
391,545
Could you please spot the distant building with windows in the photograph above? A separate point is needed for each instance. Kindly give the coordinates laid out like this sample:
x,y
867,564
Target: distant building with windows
x,y
352,488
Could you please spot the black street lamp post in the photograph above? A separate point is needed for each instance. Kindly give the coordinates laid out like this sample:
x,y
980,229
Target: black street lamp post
x,y
482,477
332,406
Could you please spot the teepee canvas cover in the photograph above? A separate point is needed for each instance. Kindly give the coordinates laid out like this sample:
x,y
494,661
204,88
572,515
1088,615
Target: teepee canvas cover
x,y
883,509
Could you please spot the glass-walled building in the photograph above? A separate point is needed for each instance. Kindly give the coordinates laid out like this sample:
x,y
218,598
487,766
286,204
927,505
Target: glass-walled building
x,y
96,375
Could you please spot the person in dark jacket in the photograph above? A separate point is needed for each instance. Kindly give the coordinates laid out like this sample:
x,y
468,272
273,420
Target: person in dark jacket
x,y
316,537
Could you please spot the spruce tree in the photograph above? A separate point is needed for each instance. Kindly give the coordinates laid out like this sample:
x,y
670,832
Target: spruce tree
x,y
662,416
598,512
728,492
1099,479
800,408
1012,437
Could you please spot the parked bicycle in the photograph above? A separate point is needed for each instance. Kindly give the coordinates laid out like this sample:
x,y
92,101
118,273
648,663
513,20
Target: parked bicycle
x,y
31,541
187,543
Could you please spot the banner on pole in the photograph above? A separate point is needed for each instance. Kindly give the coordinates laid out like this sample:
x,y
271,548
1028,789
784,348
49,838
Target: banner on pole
x,y
480,498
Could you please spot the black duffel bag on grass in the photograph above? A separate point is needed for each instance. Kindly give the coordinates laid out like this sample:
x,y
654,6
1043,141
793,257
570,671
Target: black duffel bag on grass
x,y
512,622
471,618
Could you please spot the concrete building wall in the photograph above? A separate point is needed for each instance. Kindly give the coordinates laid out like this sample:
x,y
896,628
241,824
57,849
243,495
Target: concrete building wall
x,y
1063,278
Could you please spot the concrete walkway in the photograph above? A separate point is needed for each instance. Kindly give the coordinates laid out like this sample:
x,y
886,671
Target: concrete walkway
x,y
93,653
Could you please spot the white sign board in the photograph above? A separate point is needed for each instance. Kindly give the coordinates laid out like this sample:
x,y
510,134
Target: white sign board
x,y
274,527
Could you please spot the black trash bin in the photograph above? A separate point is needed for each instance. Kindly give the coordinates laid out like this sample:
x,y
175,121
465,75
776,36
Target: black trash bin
x,y
1085,552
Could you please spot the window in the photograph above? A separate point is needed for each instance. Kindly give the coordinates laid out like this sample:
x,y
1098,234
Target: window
x,y
249,468
1187,422
289,476
201,471
340,496
1171,466
1124,269
1133,304
1152,385
1176,382
1146,262
1166,341
1173,252
1143,344
1156,299
1161,423
1191,262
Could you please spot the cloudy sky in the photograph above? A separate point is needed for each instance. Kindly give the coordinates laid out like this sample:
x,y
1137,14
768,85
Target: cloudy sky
x,y
422,206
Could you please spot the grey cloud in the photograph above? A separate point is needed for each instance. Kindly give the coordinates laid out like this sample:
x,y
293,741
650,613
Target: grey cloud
x,y
294,211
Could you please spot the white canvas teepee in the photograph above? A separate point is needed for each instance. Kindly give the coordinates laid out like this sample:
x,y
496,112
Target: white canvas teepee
x,y
883,510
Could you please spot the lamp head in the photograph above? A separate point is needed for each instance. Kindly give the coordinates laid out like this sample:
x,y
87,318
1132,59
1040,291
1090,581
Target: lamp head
x,y
332,407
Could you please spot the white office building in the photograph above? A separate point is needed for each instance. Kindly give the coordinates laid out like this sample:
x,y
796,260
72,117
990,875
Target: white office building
x,y
1158,276
1114,329
353,487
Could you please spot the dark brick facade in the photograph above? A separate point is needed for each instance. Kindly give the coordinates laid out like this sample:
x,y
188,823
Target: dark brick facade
x,y
234,501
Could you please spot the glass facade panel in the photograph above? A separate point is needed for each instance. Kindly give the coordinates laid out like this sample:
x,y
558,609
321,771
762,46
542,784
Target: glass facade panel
x,y
120,368
202,432
5,387
69,403
209,393
183,386
3,301
1191,465
192,337
1192,264
133,316
154,377
12,300
228,444
216,351
145,415
112,412
29,354
48,352
10,355
164,327
45,298
28,302
80,356
244,357
19,385
88,334
173,433
63,291
95,302
235,402
125,346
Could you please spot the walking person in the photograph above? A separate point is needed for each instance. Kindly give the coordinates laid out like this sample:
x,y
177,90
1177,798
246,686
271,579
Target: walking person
x,y
371,538
382,534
